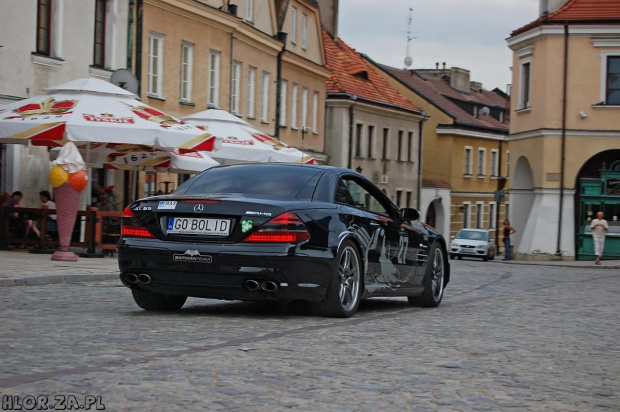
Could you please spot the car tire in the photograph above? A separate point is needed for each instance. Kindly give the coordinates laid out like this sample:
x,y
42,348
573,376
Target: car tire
x,y
434,280
345,284
486,258
158,302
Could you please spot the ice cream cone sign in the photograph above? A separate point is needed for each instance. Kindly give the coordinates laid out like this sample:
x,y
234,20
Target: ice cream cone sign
x,y
68,178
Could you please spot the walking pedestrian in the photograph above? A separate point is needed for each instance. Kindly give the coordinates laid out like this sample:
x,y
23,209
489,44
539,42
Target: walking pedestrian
x,y
508,230
599,228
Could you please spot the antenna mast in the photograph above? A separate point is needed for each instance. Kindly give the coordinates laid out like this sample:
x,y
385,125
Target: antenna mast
x,y
408,59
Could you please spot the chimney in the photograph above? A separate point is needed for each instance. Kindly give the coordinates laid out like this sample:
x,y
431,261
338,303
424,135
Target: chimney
x,y
459,79
328,10
437,66
549,6
444,65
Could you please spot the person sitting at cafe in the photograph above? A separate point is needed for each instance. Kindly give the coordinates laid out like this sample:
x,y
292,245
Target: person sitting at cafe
x,y
15,222
46,203
104,204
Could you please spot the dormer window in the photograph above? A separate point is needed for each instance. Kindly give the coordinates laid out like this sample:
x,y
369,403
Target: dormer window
x,y
362,74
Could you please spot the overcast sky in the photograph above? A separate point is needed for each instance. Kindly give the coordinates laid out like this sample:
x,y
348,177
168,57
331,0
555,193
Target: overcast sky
x,y
470,34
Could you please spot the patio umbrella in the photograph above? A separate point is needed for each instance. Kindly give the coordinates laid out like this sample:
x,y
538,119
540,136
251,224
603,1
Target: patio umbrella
x,y
240,142
94,111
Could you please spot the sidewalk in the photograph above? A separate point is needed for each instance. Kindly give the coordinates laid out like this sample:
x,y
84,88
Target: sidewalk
x,y
20,268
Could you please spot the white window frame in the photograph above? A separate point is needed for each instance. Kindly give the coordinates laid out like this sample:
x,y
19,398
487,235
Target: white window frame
x,y
282,108
466,214
264,101
304,31
494,163
294,92
294,25
304,107
249,10
482,162
187,62
523,88
315,112
235,87
492,213
479,215
156,65
604,57
468,160
251,91
213,96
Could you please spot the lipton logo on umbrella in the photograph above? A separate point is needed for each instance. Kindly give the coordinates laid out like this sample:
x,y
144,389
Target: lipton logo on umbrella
x,y
107,118
47,106
274,143
154,115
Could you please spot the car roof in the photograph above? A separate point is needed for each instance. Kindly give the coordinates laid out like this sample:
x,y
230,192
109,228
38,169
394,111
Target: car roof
x,y
473,230
337,170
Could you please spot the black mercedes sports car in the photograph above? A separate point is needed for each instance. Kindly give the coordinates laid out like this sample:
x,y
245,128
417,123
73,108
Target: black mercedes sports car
x,y
279,231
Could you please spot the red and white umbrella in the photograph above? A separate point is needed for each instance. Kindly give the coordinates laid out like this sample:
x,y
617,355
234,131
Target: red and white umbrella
x,y
94,111
240,142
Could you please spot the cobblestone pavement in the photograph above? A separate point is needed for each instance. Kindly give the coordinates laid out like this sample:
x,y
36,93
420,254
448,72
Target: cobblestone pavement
x,y
506,337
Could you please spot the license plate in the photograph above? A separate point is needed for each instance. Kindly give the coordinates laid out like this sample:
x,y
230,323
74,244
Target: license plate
x,y
198,226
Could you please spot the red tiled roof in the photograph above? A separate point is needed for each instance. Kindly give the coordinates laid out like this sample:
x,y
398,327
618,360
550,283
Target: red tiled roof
x,y
579,11
436,183
351,74
438,92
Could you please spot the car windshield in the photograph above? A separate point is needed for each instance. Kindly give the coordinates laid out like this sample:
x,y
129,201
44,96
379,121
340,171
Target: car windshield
x,y
471,235
251,181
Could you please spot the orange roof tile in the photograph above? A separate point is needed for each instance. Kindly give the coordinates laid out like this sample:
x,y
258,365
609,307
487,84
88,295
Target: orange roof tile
x,y
580,12
351,74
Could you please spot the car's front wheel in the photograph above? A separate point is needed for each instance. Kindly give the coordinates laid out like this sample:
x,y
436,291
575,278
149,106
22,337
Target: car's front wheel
x,y
158,302
344,288
433,280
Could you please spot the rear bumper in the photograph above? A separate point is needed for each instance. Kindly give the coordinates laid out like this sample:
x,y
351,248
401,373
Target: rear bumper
x,y
223,273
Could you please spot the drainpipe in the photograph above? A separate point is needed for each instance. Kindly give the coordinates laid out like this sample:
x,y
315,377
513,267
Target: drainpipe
x,y
563,148
351,119
420,141
281,37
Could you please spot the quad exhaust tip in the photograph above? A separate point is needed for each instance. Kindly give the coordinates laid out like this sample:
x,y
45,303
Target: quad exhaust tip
x,y
144,279
131,278
267,285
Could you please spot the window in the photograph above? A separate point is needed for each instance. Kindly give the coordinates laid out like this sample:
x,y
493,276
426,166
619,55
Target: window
x,y
187,55
408,197
492,214
304,31
612,92
235,87
410,146
399,196
479,215
349,192
44,27
304,107
156,61
251,90
283,86
507,163
294,25
482,154
294,105
507,211
99,49
466,211
467,170
386,134
315,111
214,79
249,10
400,145
264,101
494,163
524,85
371,141
358,140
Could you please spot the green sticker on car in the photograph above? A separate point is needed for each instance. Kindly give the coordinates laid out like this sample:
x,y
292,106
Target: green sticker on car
x,y
246,225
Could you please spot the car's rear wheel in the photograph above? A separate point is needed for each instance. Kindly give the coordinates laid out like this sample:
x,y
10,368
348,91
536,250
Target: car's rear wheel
x,y
157,301
433,280
343,291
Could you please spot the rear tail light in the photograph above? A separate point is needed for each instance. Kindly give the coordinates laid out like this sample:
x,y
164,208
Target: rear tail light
x,y
131,226
285,228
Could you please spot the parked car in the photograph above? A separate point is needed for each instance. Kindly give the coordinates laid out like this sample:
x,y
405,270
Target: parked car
x,y
476,243
279,232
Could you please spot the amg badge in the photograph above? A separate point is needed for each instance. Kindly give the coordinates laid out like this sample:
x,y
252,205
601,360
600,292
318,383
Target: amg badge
x,y
192,256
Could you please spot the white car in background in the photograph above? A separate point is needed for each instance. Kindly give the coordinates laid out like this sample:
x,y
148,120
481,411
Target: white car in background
x,y
476,243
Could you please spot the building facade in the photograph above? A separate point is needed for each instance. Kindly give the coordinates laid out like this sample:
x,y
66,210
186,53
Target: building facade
x,y
565,128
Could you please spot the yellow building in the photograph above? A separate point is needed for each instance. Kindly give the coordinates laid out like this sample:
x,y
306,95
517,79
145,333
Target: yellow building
x,y
464,148
565,129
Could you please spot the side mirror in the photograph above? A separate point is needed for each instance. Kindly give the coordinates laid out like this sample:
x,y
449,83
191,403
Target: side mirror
x,y
410,213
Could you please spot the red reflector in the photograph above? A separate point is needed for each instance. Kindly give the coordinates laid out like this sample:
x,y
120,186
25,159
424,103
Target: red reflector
x,y
128,213
203,202
278,237
286,218
135,231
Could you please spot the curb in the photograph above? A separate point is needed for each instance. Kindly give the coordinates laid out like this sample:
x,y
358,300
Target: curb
x,y
53,279
555,264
